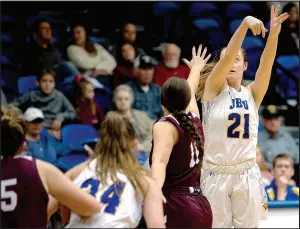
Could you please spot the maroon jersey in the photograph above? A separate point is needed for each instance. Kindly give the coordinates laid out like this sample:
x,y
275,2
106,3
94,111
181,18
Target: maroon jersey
x,y
24,199
182,170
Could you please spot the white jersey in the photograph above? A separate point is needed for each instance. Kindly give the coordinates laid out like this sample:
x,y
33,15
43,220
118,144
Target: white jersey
x,y
230,123
122,205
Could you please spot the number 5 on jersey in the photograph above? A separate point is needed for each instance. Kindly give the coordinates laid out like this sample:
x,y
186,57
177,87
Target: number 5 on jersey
x,y
236,118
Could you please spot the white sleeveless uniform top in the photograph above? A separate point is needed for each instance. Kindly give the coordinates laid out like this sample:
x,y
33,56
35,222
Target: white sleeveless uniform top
x,y
230,123
122,205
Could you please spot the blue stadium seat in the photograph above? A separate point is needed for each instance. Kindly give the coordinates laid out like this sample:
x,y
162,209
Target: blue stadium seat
x,y
217,39
6,38
74,134
101,41
253,55
238,10
233,25
207,24
5,60
67,162
26,84
9,78
104,98
252,42
288,88
199,9
162,8
7,18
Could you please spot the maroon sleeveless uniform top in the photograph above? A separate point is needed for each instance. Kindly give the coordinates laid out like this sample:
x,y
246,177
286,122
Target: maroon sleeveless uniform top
x,y
24,199
182,170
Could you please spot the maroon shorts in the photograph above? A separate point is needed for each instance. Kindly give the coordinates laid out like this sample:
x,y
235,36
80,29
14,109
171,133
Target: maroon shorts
x,y
185,208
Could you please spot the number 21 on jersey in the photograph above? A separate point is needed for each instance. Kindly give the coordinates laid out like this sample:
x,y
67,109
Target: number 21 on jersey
x,y
110,197
236,118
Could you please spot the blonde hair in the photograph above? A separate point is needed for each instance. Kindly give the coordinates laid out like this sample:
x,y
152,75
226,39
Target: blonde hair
x,y
12,129
208,69
114,153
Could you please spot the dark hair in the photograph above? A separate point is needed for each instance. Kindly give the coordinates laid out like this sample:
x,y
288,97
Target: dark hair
x,y
285,25
176,96
45,71
12,132
36,24
89,45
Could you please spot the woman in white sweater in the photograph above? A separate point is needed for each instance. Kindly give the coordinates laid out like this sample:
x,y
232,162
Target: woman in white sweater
x,y
91,59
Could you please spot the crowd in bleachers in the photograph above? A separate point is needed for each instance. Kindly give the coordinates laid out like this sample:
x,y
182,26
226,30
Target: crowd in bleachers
x,y
65,93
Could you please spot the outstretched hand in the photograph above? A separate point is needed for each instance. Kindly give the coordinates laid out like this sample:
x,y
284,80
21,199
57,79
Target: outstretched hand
x,y
275,20
198,59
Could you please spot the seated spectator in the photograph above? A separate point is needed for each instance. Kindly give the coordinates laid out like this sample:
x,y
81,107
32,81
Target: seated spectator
x,y
53,103
171,65
146,93
40,144
266,175
275,140
128,35
12,110
90,58
3,98
88,111
40,53
124,72
288,41
123,98
281,188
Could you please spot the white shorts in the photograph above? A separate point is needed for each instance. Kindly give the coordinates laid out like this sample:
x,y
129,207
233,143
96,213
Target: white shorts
x,y
237,199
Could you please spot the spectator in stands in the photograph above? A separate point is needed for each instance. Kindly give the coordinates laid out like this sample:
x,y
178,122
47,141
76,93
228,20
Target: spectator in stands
x,y
280,188
90,58
288,42
146,93
171,65
123,98
274,139
40,53
128,35
88,111
53,103
40,144
266,175
124,72
3,98
12,110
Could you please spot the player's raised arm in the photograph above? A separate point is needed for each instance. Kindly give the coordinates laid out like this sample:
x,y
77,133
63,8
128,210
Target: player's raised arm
x,y
66,192
217,78
262,78
196,65
165,136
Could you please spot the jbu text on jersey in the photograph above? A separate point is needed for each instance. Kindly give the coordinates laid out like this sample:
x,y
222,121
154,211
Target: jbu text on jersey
x,y
238,103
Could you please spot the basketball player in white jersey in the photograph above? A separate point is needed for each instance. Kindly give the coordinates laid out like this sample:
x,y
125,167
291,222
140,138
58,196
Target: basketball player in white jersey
x,y
117,180
231,178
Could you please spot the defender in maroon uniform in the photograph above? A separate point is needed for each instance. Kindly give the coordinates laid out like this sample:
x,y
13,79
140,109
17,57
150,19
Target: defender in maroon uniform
x,y
177,151
26,183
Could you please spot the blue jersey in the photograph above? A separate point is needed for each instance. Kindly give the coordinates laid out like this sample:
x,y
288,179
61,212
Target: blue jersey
x,y
292,192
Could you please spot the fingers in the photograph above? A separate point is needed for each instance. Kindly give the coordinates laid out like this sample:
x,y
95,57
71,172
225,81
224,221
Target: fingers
x,y
263,29
282,17
204,53
199,50
207,58
258,29
187,63
276,11
253,29
272,12
193,51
